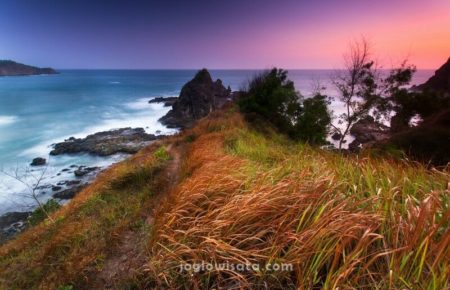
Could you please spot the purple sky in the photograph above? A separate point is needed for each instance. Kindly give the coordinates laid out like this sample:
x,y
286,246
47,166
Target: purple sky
x,y
220,33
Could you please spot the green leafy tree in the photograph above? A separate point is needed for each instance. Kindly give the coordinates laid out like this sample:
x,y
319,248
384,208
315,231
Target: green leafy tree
x,y
313,120
272,96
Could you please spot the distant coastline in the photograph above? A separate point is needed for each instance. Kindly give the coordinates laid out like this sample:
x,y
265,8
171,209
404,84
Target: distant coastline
x,y
12,68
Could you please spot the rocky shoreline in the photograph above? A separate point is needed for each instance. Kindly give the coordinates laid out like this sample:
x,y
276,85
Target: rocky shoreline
x,y
107,143
197,99
12,223
125,140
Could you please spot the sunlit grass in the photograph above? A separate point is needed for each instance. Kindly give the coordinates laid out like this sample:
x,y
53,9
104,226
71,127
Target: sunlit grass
x,y
342,221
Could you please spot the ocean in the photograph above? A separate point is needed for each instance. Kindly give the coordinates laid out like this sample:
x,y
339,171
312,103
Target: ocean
x,y
37,111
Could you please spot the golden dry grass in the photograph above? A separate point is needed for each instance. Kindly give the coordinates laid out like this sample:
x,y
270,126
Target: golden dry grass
x,y
342,222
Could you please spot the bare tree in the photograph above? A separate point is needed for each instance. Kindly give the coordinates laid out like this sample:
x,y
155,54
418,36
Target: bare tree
x,y
356,85
32,185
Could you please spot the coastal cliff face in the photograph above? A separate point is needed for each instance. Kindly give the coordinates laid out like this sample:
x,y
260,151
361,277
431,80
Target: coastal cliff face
x,y
12,68
198,98
440,81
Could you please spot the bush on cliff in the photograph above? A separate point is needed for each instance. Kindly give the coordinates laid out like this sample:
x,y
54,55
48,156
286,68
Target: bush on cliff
x,y
272,96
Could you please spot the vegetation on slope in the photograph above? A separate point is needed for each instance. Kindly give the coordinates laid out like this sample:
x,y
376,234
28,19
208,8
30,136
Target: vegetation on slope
x,y
243,197
73,249
347,222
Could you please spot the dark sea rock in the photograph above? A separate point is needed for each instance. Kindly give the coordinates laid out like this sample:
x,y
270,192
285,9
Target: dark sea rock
x,y
38,161
70,192
72,182
12,68
56,187
12,223
125,140
198,98
366,132
336,136
168,101
440,81
82,171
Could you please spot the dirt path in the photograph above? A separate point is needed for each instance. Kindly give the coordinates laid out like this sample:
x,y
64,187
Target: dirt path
x,y
126,260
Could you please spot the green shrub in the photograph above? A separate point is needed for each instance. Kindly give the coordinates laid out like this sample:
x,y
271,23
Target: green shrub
x,y
162,154
190,138
272,96
313,121
41,214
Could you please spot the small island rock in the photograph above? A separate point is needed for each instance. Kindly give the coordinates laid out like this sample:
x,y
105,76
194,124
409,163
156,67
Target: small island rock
x,y
38,161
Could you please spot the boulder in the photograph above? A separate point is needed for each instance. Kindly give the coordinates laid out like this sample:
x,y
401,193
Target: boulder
x,y
10,218
38,161
12,223
69,193
82,171
336,136
366,132
198,98
125,140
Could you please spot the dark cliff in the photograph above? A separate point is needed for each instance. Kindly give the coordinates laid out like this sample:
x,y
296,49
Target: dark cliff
x,y
12,68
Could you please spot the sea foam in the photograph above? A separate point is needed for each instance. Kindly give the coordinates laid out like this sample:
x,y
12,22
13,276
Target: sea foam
x,y
6,120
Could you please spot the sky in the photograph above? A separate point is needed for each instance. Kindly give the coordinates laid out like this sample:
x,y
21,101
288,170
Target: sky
x,y
227,34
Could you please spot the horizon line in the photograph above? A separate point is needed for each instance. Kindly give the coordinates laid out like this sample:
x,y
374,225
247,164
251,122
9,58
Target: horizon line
x,y
199,68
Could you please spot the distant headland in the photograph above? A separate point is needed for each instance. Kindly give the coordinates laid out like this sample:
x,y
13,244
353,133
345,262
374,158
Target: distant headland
x,y
12,68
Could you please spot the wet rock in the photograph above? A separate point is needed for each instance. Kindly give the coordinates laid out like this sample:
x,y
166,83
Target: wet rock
x,y
12,223
73,182
125,140
38,161
82,171
56,188
69,193
336,136
45,186
168,101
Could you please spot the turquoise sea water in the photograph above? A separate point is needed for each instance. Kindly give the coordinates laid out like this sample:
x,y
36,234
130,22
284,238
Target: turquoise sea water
x,y
37,111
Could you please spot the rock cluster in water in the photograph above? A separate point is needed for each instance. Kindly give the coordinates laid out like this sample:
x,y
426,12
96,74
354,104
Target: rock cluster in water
x,y
125,140
38,161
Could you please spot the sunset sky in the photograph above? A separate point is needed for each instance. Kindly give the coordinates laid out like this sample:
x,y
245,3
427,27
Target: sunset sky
x,y
221,33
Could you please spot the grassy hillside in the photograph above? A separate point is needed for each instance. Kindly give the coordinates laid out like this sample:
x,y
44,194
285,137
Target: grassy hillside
x,y
223,192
